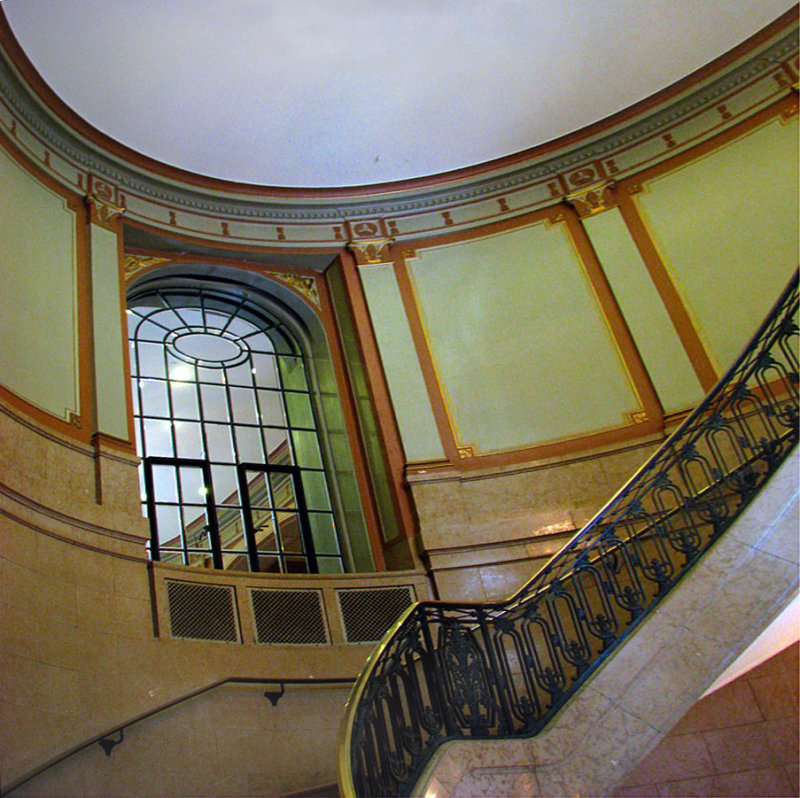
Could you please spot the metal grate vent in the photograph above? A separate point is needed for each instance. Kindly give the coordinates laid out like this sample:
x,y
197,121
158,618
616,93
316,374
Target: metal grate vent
x,y
202,612
293,617
367,614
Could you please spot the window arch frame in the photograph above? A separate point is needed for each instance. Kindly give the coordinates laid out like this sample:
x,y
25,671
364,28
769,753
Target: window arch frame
x,y
277,320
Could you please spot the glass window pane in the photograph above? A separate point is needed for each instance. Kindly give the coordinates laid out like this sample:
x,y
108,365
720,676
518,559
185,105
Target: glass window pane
x,y
184,400
168,525
289,532
135,395
165,486
271,408
195,524
248,442
330,565
180,371
159,438
298,408
293,374
215,403
220,447
151,360
276,445
257,489
235,561
214,376
154,398
231,528
239,375
282,490
216,321
264,526
316,491
200,559
306,449
226,484
193,489
243,403
148,331
224,415
264,374
171,557
296,565
189,440
268,564
323,533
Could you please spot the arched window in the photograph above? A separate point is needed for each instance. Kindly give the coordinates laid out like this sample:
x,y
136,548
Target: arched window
x,y
232,471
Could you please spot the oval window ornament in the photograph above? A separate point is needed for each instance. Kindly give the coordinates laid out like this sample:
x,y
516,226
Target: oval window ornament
x,y
211,349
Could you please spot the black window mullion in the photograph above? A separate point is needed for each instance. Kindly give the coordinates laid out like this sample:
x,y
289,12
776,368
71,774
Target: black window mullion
x,y
170,303
174,439
289,440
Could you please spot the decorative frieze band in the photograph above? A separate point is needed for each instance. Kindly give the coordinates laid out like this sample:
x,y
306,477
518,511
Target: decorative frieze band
x,y
719,103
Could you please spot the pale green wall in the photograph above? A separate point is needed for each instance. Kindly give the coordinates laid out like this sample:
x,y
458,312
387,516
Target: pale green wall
x,y
519,340
400,364
664,358
38,261
726,228
109,340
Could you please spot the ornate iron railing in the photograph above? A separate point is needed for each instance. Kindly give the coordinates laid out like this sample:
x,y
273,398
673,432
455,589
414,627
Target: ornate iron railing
x,y
447,671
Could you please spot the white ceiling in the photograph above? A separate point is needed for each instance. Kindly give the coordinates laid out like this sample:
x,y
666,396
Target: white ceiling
x,y
323,93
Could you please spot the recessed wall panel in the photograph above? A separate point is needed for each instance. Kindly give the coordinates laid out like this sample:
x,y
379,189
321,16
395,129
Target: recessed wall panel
x,y
521,347
655,337
400,362
112,413
38,293
726,228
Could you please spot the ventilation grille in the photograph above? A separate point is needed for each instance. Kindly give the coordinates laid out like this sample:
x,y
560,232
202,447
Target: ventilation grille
x,y
293,617
202,612
367,614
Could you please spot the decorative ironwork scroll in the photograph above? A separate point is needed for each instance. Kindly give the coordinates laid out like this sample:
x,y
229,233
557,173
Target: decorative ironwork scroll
x,y
449,671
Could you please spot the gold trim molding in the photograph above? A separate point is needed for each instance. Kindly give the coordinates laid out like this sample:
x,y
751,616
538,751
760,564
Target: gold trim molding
x,y
306,286
371,252
593,199
135,263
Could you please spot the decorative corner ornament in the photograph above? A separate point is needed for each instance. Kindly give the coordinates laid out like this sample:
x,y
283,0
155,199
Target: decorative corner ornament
x,y
371,251
638,416
466,451
307,286
135,263
102,212
593,199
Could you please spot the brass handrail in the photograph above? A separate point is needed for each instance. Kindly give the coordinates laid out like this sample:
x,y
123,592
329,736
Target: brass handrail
x,y
443,671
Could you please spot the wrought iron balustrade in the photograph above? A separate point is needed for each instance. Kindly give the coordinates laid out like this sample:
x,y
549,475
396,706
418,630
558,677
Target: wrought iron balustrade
x,y
449,671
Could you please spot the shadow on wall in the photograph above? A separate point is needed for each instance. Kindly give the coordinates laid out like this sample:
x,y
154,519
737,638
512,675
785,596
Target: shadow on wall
x,y
230,741
739,740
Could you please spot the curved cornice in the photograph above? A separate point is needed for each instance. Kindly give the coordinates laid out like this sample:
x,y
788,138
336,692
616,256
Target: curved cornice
x,y
753,75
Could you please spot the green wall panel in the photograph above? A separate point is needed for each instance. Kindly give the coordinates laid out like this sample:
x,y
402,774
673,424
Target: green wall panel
x,y
112,415
519,341
726,228
400,364
38,263
659,346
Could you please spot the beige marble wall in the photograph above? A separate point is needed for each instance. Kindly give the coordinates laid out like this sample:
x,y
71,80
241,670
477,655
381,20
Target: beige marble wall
x,y
78,655
645,687
739,740
230,741
484,534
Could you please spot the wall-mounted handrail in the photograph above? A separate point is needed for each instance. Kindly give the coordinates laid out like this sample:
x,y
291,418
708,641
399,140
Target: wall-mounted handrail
x,y
449,671
107,742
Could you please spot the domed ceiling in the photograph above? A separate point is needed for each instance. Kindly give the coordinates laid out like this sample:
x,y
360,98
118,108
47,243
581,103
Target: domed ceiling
x,y
321,93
